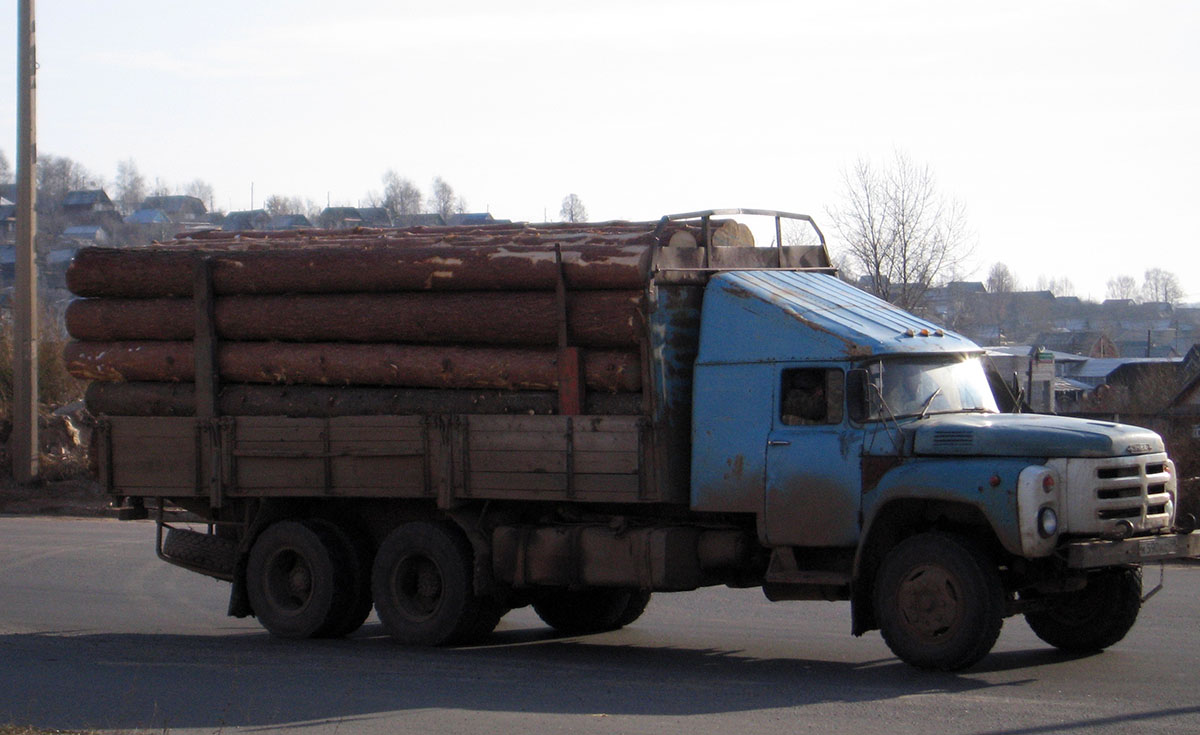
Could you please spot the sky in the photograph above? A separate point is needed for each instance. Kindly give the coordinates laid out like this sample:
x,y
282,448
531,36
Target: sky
x,y
1067,129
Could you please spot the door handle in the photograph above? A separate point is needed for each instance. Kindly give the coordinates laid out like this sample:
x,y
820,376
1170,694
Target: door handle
x,y
778,443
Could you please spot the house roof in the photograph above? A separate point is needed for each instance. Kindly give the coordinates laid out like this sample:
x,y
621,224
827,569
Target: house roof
x,y
375,216
84,232
1102,367
148,217
251,219
85,198
60,256
419,220
175,204
1078,342
470,218
288,222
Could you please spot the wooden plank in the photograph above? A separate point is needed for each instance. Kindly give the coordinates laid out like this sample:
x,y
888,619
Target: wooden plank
x,y
606,484
605,442
393,448
380,422
618,424
405,476
601,463
170,462
482,482
531,441
304,476
489,461
518,424
279,449
606,463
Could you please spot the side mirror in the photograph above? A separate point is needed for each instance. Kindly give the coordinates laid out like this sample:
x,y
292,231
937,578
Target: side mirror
x,y
857,395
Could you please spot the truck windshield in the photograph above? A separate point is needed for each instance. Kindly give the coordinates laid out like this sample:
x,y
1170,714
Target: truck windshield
x,y
921,386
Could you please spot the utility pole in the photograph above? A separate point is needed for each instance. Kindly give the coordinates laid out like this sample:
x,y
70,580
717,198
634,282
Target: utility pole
x,y
26,466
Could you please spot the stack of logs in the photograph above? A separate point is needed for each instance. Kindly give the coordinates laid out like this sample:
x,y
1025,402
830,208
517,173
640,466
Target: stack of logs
x,y
492,319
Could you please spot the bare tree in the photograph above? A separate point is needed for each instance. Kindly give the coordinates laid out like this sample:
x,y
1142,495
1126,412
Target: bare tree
x,y
1122,287
200,189
6,171
58,175
1001,280
443,200
572,209
400,196
160,188
130,186
1057,285
1161,285
899,230
276,205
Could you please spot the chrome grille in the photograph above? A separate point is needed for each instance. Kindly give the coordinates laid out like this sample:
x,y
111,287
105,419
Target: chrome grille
x,y
1136,489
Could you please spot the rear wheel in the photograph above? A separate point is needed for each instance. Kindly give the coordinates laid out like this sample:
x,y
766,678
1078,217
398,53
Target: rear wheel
x,y
1093,618
292,579
591,610
939,602
422,581
355,571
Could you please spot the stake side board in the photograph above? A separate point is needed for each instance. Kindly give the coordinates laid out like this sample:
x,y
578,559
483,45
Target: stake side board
x,y
447,458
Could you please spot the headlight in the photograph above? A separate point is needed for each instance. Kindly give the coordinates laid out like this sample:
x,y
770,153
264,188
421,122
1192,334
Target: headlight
x,y
1047,521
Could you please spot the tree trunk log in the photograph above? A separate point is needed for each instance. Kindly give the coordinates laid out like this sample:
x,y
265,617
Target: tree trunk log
x,y
167,270
331,363
596,318
304,401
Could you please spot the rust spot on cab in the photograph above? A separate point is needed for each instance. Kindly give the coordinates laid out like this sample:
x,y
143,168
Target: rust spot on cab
x,y
736,466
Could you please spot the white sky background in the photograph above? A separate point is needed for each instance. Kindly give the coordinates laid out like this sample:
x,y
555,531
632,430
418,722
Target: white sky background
x,y
1068,129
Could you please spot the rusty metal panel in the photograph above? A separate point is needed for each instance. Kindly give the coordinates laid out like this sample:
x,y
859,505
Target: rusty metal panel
x,y
663,558
153,456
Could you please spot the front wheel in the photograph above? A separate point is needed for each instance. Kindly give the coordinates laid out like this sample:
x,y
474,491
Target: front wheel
x,y
1093,618
939,602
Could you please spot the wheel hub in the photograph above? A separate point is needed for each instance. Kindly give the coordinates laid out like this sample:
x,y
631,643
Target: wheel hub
x,y
928,601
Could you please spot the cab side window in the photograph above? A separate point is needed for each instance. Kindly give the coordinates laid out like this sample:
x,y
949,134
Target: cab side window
x,y
811,396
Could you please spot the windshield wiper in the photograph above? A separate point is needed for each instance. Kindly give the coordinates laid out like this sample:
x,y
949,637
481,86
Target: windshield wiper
x,y
929,402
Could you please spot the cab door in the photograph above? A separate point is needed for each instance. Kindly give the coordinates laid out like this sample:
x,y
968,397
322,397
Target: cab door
x,y
813,480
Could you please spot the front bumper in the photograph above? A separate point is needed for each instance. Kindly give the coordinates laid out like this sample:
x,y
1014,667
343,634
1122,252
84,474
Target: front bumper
x,y
1100,553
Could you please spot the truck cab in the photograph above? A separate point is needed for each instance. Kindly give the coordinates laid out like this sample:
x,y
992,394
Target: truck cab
x,y
868,446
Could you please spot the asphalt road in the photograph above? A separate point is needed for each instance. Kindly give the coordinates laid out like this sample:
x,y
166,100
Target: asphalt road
x,y
95,632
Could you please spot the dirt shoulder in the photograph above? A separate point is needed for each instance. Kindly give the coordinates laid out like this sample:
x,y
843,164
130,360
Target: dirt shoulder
x,y
76,496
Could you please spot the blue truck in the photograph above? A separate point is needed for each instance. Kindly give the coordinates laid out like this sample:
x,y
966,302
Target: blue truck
x,y
792,433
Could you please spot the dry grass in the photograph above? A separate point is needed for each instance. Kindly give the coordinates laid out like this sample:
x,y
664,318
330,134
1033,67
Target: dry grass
x,y
56,388
55,385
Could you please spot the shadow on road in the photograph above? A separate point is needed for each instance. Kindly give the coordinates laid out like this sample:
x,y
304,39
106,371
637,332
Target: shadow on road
x,y
246,679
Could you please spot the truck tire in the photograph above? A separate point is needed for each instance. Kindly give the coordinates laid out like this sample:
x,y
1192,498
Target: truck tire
x,y
487,618
356,571
939,602
1093,618
423,585
638,600
216,555
589,611
292,580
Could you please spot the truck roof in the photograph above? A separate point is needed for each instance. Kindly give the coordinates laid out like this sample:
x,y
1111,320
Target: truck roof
x,y
768,316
